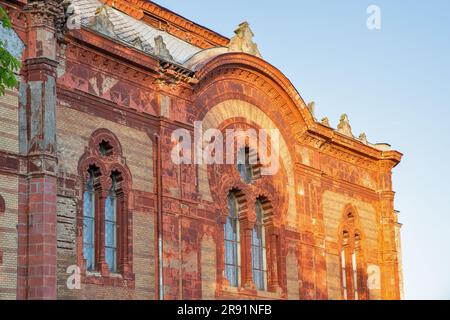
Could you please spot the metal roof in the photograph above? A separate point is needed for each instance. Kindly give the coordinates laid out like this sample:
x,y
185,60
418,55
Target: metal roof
x,y
131,31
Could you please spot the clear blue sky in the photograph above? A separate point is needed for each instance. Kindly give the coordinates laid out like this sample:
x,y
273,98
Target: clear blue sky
x,y
394,84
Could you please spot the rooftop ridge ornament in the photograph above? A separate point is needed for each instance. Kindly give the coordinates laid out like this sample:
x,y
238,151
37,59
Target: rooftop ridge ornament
x,y
102,23
344,126
326,122
312,108
243,41
363,138
161,49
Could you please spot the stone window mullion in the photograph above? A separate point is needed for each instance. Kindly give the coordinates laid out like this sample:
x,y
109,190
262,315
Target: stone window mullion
x,y
246,253
100,214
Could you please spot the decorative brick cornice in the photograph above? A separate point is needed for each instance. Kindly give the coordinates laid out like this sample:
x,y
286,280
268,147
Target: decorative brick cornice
x,y
110,57
130,64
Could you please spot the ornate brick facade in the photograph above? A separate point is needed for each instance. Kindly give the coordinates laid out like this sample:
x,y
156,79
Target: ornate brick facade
x,y
103,86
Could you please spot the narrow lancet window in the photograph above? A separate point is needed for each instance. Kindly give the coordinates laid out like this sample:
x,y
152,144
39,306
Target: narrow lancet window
x,y
232,243
89,223
259,265
111,227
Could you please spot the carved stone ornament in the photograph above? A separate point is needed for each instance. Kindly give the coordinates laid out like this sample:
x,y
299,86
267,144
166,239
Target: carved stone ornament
x,y
363,138
243,41
344,126
161,49
101,22
326,122
311,107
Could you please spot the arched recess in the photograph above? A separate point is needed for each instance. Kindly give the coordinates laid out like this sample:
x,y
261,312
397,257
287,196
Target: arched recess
x,y
235,85
231,109
112,176
352,255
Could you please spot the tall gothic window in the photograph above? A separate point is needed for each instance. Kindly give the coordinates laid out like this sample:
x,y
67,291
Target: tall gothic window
x,y
89,223
351,278
111,226
349,273
355,277
344,276
105,220
232,243
259,261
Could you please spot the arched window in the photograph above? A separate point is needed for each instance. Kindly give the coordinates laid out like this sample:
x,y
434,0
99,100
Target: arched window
x,y
106,219
111,226
232,243
351,276
356,288
89,222
259,259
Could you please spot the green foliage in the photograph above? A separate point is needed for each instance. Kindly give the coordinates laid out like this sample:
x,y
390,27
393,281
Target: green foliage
x,y
8,63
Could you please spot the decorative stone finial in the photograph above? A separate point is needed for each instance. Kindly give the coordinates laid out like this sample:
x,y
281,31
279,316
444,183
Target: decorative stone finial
x,y
326,122
312,108
243,41
161,49
101,22
363,138
344,126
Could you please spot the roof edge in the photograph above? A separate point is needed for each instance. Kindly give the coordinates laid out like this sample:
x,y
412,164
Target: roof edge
x,y
169,21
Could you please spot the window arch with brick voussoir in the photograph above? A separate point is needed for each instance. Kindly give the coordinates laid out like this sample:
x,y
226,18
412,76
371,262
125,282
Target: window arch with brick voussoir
x,y
104,217
252,231
352,262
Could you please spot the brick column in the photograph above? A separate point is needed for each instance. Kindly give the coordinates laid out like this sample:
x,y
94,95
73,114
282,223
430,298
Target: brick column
x,y
37,225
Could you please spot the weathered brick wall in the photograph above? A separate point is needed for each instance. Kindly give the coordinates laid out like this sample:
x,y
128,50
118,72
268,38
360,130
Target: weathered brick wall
x,y
333,277
9,122
74,129
208,267
8,237
292,276
9,143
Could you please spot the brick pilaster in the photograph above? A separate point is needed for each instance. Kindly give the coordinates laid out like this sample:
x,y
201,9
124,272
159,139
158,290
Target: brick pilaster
x,y
42,238
37,210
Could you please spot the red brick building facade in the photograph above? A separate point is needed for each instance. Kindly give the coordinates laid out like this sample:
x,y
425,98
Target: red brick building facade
x,y
103,86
